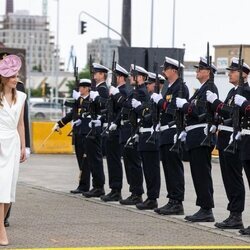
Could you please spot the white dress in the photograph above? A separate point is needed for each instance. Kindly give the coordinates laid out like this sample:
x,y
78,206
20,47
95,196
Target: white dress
x,y
9,147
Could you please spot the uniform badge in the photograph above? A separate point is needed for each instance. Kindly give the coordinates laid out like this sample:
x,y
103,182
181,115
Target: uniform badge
x,y
168,98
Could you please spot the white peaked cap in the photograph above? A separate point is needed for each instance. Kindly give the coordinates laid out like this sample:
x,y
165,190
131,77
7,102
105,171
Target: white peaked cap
x,y
139,69
151,75
85,80
120,69
99,67
172,62
203,62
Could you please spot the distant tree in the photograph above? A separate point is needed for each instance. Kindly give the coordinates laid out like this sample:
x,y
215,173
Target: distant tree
x,y
36,92
83,74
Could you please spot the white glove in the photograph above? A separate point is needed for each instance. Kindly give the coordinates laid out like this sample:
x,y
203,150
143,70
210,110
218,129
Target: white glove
x,y
56,128
93,94
211,97
27,152
77,122
180,102
156,97
75,94
158,127
136,137
112,127
175,138
239,99
237,137
113,90
211,130
135,103
182,136
96,122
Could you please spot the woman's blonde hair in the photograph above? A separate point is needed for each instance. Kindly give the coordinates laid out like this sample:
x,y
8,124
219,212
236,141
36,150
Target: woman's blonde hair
x,y
2,92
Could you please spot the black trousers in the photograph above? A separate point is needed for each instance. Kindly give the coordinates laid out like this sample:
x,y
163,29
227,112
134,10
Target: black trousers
x,y
151,169
133,169
200,163
246,166
231,171
174,173
113,154
95,160
81,155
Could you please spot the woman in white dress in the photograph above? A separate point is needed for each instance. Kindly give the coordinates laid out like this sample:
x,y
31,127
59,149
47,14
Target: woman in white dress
x,y
12,137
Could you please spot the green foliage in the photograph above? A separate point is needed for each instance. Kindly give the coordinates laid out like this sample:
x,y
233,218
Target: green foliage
x,y
36,92
83,74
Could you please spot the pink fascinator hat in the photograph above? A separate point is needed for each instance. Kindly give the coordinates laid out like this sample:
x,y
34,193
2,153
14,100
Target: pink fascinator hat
x,y
10,65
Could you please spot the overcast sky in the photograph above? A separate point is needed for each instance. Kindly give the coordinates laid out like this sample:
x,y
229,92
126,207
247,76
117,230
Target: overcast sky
x,y
197,21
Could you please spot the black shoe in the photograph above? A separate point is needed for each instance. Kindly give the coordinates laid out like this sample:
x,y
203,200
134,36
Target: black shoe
x,y
114,195
6,223
234,221
147,204
133,199
77,191
94,192
245,231
173,207
203,215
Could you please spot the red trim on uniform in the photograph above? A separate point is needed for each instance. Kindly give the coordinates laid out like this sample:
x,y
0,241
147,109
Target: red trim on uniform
x,y
164,105
190,110
219,107
247,109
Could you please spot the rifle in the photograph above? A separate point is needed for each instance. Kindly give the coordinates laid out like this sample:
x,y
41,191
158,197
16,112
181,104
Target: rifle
x,y
133,117
155,111
179,115
232,147
110,103
76,75
209,115
92,106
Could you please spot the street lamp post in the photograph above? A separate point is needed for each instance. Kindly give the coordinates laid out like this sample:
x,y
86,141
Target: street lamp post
x,y
104,24
173,34
152,23
57,54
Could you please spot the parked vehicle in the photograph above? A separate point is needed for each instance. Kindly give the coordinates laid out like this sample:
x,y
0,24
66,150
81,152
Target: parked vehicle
x,y
46,111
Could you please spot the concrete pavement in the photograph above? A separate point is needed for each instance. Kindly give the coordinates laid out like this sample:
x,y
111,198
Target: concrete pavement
x,y
47,215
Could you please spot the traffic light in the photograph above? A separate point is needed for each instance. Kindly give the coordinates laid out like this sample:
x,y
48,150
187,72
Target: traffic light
x,y
83,27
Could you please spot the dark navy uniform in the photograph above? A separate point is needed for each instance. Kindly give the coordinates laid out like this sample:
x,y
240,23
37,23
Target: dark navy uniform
x,y
171,161
244,150
200,156
94,145
149,152
131,157
114,150
80,107
231,166
245,139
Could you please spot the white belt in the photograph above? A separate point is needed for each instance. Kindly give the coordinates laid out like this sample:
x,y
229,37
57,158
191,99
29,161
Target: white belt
x,y
191,127
245,132
225,128
165,127
124,121
144,130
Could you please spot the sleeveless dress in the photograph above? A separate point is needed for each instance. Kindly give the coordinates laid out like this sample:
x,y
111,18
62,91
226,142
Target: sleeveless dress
x,y
10,147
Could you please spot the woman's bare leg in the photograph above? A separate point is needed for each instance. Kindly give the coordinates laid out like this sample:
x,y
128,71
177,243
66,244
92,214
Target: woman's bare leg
x,y
3,235
6,208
